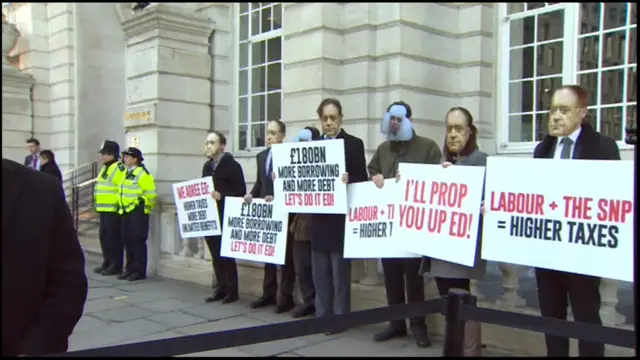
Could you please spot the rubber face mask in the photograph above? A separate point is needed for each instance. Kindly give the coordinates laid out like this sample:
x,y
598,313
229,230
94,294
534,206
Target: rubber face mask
x,y
304,135
395,125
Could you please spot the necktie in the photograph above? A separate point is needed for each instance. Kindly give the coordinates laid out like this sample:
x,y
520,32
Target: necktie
x,y
34,161
268,164
566,148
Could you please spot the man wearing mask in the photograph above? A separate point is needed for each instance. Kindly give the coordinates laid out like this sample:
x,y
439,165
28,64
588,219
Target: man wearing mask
x,y
570,137
106,204
137,198
263,188
228,180
402,145
331,271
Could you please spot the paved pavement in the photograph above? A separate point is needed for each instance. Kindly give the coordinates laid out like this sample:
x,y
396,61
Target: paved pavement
x,y
119,312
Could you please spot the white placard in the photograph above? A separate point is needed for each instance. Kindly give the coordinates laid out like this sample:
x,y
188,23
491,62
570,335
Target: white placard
x,y
256,231
567,215
439,210
308,177
197,211
368,232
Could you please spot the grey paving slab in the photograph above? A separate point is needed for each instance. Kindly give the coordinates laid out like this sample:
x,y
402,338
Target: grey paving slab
x,y
148,284
122,314
114,333
166,305
288,355
155,336
177,319
274,347
345,346
95,283
140,297
268,315
216,311
96,305
104,292
220,353
225,324
87,322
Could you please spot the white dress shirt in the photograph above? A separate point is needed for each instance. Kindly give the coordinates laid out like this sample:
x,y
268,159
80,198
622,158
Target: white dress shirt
x,y
559,145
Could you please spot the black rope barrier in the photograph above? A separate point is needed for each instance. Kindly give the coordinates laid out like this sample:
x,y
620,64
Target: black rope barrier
x,y
254,335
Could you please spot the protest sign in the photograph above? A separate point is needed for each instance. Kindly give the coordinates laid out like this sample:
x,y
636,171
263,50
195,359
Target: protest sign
x,y
574,216
197,211
256,231
368,232
439,210
308,177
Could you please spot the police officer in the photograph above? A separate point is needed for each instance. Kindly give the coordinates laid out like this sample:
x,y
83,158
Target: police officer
x,y
106,205
137,197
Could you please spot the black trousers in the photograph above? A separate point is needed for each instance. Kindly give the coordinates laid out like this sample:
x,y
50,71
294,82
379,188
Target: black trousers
x,y
554,287
135,231
224,269
287,275
110,234
446,284
402,275
302,261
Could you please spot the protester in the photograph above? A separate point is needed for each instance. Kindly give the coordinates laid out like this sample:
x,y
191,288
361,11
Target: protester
x,y
137,199
44,287
33,159
571,137
228,180
263,188
461,149
48,164
300,227
107,203
331,271
400,275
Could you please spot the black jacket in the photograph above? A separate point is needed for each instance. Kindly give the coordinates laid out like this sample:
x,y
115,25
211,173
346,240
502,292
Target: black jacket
x,y
590,145
327,230
228,179
264,183
52,169
44,286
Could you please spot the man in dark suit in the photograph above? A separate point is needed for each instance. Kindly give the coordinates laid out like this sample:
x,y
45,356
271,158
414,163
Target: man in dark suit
x,y
43,296
571,137
331,271
48,164
263,188
33,159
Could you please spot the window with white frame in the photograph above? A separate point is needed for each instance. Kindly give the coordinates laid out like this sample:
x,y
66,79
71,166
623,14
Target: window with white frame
x,y
546,45
259,71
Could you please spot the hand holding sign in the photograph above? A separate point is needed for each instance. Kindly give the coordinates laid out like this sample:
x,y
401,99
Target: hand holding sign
x,y
248,198
446,164
268,198
345,178
378,180
216,196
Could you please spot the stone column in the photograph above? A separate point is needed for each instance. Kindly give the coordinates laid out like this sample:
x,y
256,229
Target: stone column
x,y
168,99
16,112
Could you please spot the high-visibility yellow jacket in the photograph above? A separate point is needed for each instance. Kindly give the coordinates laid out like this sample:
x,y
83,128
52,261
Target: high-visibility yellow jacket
x,y
137,185
106,190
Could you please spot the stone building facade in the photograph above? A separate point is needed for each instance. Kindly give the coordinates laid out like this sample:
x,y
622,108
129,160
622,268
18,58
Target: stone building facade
x,y
159,78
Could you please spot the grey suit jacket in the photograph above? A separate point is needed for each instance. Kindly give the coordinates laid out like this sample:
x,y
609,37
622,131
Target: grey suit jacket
x,y
445,269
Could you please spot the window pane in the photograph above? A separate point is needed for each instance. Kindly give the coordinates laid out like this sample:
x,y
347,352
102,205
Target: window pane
x,y
632,84
258,80
632,115
520,128
255,23
274,77
266,19
611,122
589,18
514,8
521,97
592,117
545,89
521,31
274,105
274,49
244,27
257,109
521,63
549,59
255,6
258,132
258,53
277,16
542,122
243,55
244,7
551,25
590,83
533,6
611,91
588,52
613,44
243,110
242,137
634,13
614,15
633,46
243,82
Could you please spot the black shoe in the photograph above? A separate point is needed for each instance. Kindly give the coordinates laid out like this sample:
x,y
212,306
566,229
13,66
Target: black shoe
x,y
262,302
111,270
217,296
389,333
304,310
421,337
136,277
124,275
284,306
99,269
230,299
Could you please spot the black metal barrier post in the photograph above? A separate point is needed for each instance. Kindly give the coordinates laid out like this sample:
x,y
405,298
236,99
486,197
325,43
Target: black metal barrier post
x,y
632,139
454,323
75,205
